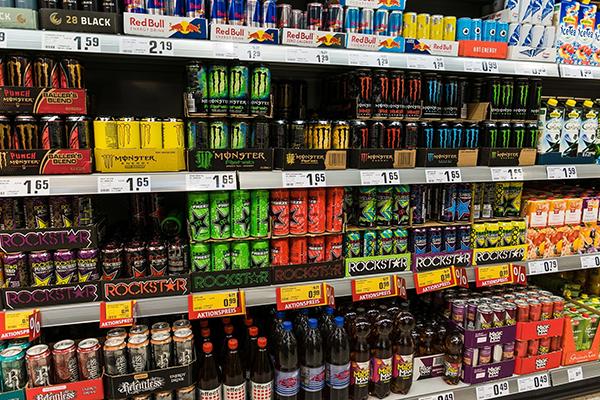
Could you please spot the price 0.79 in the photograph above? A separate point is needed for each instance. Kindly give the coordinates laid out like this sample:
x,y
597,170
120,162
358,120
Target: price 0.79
x,y
87,42
137,184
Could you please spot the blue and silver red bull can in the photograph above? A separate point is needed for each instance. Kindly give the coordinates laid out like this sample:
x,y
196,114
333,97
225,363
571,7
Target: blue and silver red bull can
x,y
476,28
380,22
366,21
314,21
352,20
489,31
193,8
236,12
155,7
464,27
253,13
501,31
218,11
395,23
135,6
284,15
176,8
269,9
335,18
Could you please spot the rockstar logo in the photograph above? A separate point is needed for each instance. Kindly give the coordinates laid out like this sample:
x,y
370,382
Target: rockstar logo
x,y
293,219
462,209
244,220
221,223
42,282
63,280
277,222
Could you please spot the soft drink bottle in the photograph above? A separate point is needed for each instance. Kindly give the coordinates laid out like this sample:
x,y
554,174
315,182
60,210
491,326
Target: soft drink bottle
x,y
312,363
228,334
276,330
251,348
209,384
381,359
453,358
404,352
338,362
261,373
426,342
360,355
301,324
234,383
287,373
327,325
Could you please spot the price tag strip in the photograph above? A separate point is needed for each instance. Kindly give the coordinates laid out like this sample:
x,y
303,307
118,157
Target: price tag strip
x,y
534,382
251,52
379,177
486,66
494,275
3,39
449,175
542,267
507,174
425,62
561,172
438,279
17,324
302,179
211,181
117,313
24,186
439,396
146,46
301,296
591,261
401,284
575,374
124,184
216,305
493,390
374,288
66,41
308,56
535,69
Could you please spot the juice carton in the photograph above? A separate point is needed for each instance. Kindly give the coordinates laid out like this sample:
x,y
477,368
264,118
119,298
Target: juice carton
x,y
585,34
538,213
550,125
567,13
573,210
555,242
590,210
536,243
588,131
596,42
546,13
569,135
557,209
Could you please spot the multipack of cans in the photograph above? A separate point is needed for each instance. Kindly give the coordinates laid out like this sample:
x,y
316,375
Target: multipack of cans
x,y
46,212
371,206
426,26
175,8
443,203
499,234
220,134
440,239
138,133
584,317
28,132
497,200
367,243
306,250
46,72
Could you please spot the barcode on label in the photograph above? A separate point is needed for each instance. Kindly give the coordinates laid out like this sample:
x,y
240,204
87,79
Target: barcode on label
x,y
404,158
335,159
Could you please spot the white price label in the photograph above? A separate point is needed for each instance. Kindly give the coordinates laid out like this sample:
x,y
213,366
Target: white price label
x,y
224,50
367,58
322,57
537,69
576,71
379,177
143,46
250,53
439,396
3,39
542,267
211,181
426,62
125,184
534,382
300,179
66,41
486,66
586,73
592,261
24,186
562,172
575,374
382,61
493,390
443,175
507,174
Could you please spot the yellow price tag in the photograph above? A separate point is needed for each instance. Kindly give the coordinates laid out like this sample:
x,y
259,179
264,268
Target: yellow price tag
x,y
118,310
215,301
493,272
301,293
16,320
370,285
433,277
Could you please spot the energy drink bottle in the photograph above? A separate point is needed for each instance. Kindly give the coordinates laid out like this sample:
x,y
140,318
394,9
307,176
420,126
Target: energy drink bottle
x,y
359,356
220,215
260,91
238,89
240,213
588,132
218,89
551,123
569,136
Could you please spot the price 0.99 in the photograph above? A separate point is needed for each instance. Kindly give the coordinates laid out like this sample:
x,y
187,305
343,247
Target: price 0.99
x,y
313,294
384,285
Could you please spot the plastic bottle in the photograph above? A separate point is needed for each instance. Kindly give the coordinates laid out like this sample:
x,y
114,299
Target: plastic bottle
x,y
453,358
276,330
234,382
261,373
287,373
209,382
427,341
251,348
301,324
360,356
312,363
404,352
381,359
337,369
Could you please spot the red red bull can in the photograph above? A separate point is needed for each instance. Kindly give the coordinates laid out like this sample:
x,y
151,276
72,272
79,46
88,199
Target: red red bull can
x,y
314,16
335,18
333,247
194,8
298,250
316,210
316,249
218,11
380,22
352,20
366,21
280,252
395,23
269,13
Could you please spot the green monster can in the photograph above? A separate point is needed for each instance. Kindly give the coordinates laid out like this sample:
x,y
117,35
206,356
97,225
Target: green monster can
x,y
200,257
259,253
221,256
238,89
12,366
239,134
240,213
199,216
218,89
240,255
218,135
260,91
259,213
220,216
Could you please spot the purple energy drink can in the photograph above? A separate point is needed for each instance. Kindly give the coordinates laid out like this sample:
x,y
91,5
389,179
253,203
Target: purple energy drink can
x,y
195,8
380,22
419,241
269,12
284,15
395,23
366,21
434,240
235,12
42,268
155,7
87,265
335,18
112,261
218,11
352,20
15,270
65,267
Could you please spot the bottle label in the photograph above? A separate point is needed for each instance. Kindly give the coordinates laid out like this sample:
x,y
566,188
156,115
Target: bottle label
x,y
287,383
213,394
338,376
234,392
403,366
359,373
452,370
261,391
312,379
381,369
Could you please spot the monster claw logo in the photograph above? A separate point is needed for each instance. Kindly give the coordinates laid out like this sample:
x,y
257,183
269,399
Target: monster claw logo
x,y
217,88
261,36
108,160
218,135
290,158
184,27
204,159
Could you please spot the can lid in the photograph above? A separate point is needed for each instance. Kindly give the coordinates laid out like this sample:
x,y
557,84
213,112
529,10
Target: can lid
x,y
116,332
64,345
114,342
181,323
137,329
137,341
588,103
37,350
182,333
552,102
88,343
160,326
571,103
161,336
11,353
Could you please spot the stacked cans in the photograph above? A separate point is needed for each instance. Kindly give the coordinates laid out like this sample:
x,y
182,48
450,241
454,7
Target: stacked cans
x,y
443,203
440,239
375,242
425,26
255,13
495,200
371,206
28,132
476,29
499,234
511,98
107,6
18,70
176,8
449,135
138,133
46,212
12,364
225,134
306,250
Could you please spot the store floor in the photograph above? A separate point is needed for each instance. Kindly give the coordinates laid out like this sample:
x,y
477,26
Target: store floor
x,y
595,396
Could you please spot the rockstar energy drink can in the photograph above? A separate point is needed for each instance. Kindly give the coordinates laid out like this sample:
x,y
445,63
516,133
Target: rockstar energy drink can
x,y
172,134
79,132
71,74
128,133
105,133
319,135
151,133
53,132
340,138
26,135
46,73
5,133
218,135
18,71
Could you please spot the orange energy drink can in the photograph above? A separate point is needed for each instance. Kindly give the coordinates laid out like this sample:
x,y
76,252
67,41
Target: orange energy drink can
x,y
128,133
449,28
423,26
151,131
105,133
172,133
437,27
409,25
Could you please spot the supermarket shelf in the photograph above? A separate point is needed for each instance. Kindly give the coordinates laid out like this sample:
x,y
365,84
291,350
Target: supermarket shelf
x,y
561,264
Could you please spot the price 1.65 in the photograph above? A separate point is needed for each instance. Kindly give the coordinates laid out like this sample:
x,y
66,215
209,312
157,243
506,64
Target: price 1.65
x,y
136,184
222,181
36,186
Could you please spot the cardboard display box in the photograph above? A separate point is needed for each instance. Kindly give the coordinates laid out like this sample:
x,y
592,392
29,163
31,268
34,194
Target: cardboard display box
x,y
164,26
377,264
309,159
18,18
388,44
307,38
230,279
482,49
381,158
20,240
446,157
45,162
83,390
506,157
41,296
308,272
230,160
431,261
431,47
146,287
139,160
36,100
56,19
243,34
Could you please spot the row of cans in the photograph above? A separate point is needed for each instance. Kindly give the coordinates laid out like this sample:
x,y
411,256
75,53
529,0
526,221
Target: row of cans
x,y
426,26
46,212
28,132
375,242
476,29
290,98
495,200
222,215
108,6
226,256
506,134
445,203
449,135
488,354
499,234
258,13
437,239
138,133
513,98
224,134
19,70
302,211
303,250
234,90
371,206
175,8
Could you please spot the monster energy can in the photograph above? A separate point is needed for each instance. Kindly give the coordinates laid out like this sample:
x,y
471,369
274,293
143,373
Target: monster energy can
x,y
221,256
531,134
259,253
239,134
238,89
340,137
259,213
260,134
535,100
319,135
240,213
297,135
504,134
260,92
240,255
218,135
489,134
517,136
494,93
200,256
218,89
198,216
521,102
197,132
197,88
506,98
220,224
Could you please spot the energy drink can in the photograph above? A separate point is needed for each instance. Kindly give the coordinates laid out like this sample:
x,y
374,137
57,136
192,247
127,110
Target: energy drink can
x,y
87,265
259,139
419,243
369,244
432,102
71,74
78,132
434,240
464,202
157,258
413,95
317,199
240,213
280,212
335,17
393,135
449,244
352,245
489,134
359,134
297,138
298,250
105,133
463,238
16,272
239,134
136,261
492,234
479,234
238,89
5,132
423,26
395,24
36,211
417,204
62,214
218,89
401,205
411,135
380,93
333,247
506,233
376,135
340,135
504,134
200,256
42,268
409,25
471,136
531,135
476,29
400,241
448,204
314,16
352,20
172,133
502,32
384,201
26,133
380,23
334,210
220,225
366,21
280,252
220,254
437,27
396,94
46,72
65,265
464,27
18,71
298,211
489,30
218,134
449,23
284,16
259,213
517,135
151,133
199,216
128,133
319,135
316,249
367,204
385,242
269,14
278,134
52,129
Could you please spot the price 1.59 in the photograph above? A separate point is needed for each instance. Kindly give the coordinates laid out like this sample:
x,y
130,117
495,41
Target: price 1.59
x,y
86,43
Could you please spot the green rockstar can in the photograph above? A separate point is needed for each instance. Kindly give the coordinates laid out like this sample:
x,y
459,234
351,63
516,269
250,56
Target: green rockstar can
x,y
218,135
218,89
260,91
240,255
352,244
259,253
221,256
240,213
239,134
12,367
220,216
259,213
238,89
199,216
200,257
367,206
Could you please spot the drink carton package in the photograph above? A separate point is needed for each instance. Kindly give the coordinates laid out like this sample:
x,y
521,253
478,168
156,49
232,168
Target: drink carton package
x,y
596,42
567,20
585,34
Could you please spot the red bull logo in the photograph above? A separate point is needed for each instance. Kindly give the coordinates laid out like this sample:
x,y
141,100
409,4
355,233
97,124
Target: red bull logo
x,y
329,40
146,22
421,47
184,27
389,3
389,44
261,36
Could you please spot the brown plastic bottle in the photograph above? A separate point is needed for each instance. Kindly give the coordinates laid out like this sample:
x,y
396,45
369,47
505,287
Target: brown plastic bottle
x,y
261,373
453,358
426,342
404,351
359,359
381,358
209,384
234,383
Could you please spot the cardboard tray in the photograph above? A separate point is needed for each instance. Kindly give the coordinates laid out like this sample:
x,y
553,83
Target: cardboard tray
x,y
82,390
388,44
499,255
243,34
571,356
18,18
428,367
139,160
51,238
446,157
530,365
488,372
309,159
482,49
506,157
231,279
540,329
557,159
308,38
164,26
230,160
45,162
431,261
41,296
361,266
486,337
381,158
147,287
308,272
56,19
36,100
431,47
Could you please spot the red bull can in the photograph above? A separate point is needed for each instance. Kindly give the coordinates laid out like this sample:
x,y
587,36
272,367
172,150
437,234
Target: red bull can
x,y
218,11
449,23
395,23
314,16
194,8
155,7
352,20
380,22
366,21
437,27
236,12
335,18
297,19
409,25
423,26
135,6
176,8
269,13
253,13
284,15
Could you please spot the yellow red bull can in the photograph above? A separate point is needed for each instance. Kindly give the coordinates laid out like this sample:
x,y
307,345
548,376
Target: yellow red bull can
x,y
423,26
105,133
437,27
151,131
172,133
409,25
449,28
128,133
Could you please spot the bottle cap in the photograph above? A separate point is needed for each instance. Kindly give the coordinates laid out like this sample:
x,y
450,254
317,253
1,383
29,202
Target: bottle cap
x,y
339,321
313,323
552,102
570,103
228,329
205,332
253,331
207,347
329,310
232,344
588,103
204,323
287,325
262,342
226,321
249,322
280,315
